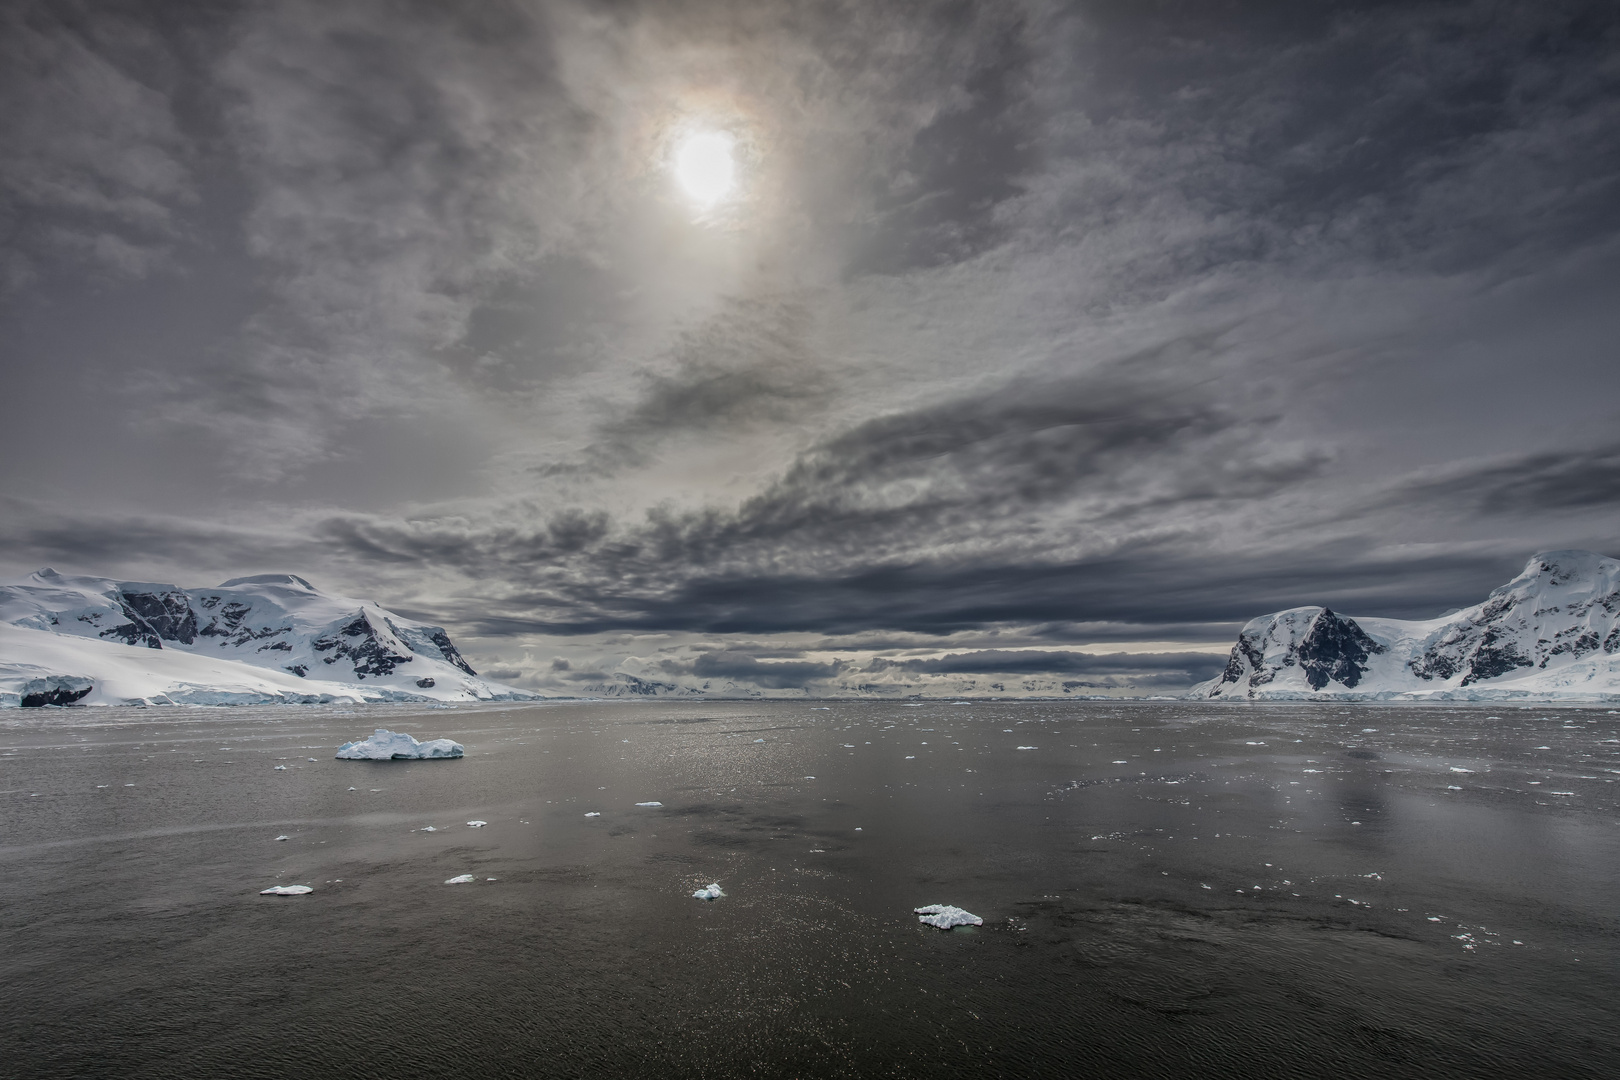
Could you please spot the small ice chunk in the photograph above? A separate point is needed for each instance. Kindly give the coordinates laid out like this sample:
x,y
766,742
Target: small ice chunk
x,y
759,740
460,879
654,803
428,828
286,890
945,916
476,824
593,813
385,745
310,759
1028,748
1119,763
1460,769
711,891
281,768
283,836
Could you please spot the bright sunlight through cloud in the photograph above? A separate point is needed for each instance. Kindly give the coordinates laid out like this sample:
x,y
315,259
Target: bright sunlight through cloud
x,y
704,167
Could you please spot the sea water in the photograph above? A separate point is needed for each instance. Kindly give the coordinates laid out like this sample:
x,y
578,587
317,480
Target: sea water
x,y
1167,889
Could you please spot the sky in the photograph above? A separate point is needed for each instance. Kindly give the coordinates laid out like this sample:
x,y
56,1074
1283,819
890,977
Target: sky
x,y
1033,347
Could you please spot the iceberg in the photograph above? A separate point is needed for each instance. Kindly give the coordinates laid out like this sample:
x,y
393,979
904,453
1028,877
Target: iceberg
x,y
460,879
385,745
709,892
945,916
649,804
286,890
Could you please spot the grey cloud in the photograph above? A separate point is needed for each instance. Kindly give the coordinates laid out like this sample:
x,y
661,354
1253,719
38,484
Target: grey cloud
x,y
748,365
776,675
1528,483
1193,666
97,171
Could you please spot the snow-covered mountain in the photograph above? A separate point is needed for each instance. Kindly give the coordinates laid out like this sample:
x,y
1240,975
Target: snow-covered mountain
x,y
1551,632
269,638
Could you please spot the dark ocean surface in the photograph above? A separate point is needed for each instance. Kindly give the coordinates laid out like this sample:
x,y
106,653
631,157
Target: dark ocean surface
x,y
1168,890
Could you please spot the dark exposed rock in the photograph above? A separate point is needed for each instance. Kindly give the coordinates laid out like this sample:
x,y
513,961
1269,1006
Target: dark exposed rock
x,y
297,669
167,613
425,683
1494,657
442,640
54,696
1335,649
358,641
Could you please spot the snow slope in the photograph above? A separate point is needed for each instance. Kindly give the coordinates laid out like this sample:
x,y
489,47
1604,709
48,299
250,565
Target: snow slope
x,y
270,638
1553,632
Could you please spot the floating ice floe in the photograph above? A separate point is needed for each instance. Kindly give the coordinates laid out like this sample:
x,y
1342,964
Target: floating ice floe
x,y
385,745
283,836
649,804
476,824
708,892
286,890
460,879
1029,748
945,916
594,813
281,768
428,828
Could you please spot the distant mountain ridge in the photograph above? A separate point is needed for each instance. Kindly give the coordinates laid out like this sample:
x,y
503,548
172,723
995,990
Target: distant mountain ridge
x,y
269,637
1551,632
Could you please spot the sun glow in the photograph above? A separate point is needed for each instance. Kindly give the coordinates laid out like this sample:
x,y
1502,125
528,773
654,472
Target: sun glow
x,y
704,167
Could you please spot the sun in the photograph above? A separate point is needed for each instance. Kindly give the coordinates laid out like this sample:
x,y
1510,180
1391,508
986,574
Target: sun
x,y
704,167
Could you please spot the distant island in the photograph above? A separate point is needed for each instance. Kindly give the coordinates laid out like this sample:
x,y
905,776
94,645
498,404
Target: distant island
x,y
1553,632
271,638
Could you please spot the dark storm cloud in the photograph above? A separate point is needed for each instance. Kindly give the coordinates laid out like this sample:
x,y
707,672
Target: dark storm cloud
x,y
1193,666
776,675
1530,483
748,365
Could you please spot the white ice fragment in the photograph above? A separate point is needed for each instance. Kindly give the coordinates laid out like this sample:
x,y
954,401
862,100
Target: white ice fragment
x,y
428,828
286,890
593,813
945,916
385,745
1460,769
283,836
476,824
311,759
281,768
655,803
759,740
460,879
1028,748
1119,763
709,892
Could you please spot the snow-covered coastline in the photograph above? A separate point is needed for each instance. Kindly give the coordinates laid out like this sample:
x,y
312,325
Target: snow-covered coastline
x,y
270,639
1550,634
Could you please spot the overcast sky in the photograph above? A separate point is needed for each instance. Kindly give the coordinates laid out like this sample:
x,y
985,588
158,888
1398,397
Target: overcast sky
x,y
1033,341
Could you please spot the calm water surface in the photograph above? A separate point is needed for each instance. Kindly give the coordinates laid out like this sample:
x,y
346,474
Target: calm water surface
x,y
1167,890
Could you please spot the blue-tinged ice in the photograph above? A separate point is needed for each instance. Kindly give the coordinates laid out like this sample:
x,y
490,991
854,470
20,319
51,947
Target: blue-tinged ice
x,y
387,745
709,892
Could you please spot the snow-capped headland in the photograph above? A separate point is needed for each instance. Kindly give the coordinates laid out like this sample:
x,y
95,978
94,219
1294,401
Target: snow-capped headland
x,y
1552,633
272,638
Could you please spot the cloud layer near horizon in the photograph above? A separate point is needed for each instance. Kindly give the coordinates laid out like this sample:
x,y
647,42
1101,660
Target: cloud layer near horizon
x,y
1029,326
